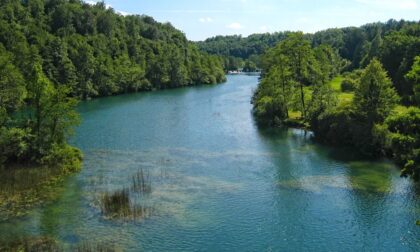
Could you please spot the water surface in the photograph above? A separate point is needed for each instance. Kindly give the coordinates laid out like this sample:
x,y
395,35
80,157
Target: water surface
x,y
221,184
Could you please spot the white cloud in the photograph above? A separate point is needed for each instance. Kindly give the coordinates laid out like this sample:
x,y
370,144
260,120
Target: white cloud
x,y
206,20
392,4
235,26
108,6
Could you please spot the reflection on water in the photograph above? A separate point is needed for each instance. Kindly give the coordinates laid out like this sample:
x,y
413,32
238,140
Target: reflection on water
x,y
218,183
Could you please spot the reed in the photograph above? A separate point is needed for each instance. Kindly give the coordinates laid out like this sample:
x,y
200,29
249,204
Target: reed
x,y
117,205
142,182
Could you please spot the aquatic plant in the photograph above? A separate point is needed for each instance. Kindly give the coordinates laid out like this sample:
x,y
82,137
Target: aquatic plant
x,y
118,205
142,182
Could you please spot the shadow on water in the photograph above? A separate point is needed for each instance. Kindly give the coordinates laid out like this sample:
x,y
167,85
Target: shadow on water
x,y
111,102
346,169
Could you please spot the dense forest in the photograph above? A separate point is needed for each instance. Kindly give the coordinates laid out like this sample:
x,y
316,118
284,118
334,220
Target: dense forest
x,y
353,87
355,44
241,52
54,52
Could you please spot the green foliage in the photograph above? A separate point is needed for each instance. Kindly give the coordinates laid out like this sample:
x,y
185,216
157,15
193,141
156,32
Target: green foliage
x,y
269,110
402,131
250,66
97,52
53,52
397,55
375,97
348,85
414,77
367,123
13,144
12,87
394,43
66,157
334,126
289,69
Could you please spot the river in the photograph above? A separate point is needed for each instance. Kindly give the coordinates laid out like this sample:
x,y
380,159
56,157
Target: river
x,y
219,183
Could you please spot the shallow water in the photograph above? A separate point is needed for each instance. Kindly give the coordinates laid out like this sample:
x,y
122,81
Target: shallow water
x,y
221,184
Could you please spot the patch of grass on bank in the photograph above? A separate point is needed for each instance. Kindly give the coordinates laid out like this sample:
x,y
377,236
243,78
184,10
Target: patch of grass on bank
x,y
344,98
335,83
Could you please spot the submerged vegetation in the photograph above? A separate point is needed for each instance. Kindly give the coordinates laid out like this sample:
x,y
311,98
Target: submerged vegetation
x,y
23,188
41,244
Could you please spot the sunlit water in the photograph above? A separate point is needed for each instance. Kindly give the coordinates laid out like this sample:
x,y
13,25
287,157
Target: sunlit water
x,y
221,184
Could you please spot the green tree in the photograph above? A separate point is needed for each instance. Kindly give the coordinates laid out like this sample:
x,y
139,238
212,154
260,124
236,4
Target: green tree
x,y
414,77
12,88
375,97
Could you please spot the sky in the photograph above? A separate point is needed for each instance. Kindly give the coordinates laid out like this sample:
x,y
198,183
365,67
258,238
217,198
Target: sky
x,y
203,19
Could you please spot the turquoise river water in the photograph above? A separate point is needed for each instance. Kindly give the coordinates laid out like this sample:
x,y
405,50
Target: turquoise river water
x,y
220,183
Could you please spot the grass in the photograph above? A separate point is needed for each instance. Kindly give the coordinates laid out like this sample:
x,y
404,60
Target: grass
x,y
336,83
344,98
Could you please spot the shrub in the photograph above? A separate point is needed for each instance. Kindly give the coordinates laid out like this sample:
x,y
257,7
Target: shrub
x,y
269,110
65,157
348,85
13,144
334,125
404,140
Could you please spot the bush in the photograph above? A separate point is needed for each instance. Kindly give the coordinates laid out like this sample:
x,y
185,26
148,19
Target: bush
x,y
65,157
404,140
13,144
333,126
269,110
348,85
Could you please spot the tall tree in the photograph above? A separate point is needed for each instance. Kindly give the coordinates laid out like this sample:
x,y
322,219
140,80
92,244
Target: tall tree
x,y
414,77
375,97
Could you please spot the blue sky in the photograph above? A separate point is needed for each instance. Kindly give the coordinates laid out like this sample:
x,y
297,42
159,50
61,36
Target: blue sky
x,y
202,19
